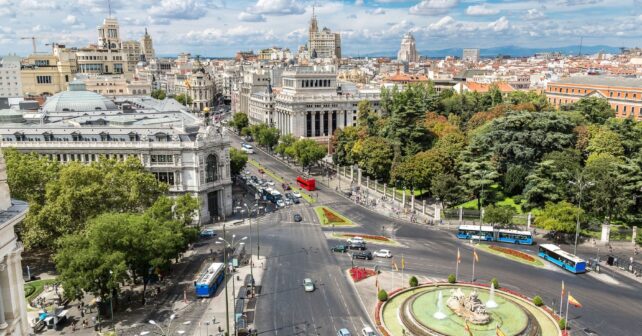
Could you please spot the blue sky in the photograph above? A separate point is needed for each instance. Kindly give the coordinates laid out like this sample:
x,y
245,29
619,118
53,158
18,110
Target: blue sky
x,y
221,27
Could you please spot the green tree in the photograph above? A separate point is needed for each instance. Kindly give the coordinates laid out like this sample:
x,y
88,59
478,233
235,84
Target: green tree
x,y
158,94
537,300
501,215
602,140
343,142
478,176
514,180
366,116
28,175
413,282
374,155
448,189
239,121
561,216
595,110
608,197
382,295
238,159
548,182
418,170
285,146
268,137
308,152
184,99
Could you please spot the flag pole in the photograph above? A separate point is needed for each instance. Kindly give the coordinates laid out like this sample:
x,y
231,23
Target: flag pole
x,y
457,266
566,318
561,298
473,279
402,268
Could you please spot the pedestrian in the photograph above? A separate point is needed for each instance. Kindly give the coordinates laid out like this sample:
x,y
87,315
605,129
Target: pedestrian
x,y
93,320
73,325
82,312
84,324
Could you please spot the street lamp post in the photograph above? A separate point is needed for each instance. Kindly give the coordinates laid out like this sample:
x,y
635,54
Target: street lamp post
x,y
228,244
111,301
250,235
580,185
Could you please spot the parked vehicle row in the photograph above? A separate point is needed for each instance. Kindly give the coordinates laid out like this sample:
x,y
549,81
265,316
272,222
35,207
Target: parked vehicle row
x,y
358,243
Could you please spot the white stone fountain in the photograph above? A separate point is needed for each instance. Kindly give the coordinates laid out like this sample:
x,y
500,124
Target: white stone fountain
x,y
491,300
439,314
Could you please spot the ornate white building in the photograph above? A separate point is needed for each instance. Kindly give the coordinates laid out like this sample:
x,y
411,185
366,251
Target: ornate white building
x,y
324,43
198,84
13,307
79,125
147,47
408,51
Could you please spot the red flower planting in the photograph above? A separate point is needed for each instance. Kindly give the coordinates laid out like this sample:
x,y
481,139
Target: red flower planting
x,y
360,273
380,238
512,252
332,217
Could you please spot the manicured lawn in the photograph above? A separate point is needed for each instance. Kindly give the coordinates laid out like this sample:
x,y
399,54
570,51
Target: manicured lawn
x,y
279,179
329,217
34,288
536,260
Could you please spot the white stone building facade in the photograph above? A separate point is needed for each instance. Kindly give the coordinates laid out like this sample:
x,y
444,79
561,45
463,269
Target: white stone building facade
x,y
10,81
408,50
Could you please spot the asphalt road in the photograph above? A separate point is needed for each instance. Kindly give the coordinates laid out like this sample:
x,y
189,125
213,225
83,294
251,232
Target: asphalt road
x,y
612,304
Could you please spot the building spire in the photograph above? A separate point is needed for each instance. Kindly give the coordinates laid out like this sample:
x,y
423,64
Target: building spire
x,y
109,7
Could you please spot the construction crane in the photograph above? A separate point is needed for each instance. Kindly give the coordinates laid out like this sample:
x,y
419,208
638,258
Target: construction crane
x,y
53,45
33,42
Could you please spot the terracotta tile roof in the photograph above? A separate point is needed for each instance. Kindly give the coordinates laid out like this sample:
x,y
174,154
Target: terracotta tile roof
x,y
403,77
480,87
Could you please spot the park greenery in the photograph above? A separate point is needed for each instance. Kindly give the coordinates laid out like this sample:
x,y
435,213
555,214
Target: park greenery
x,y
238,159
158,94
184,99
109,221
492,147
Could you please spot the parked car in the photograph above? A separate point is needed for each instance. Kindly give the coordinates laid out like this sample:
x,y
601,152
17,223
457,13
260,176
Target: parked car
x,y
308,285
297,217
270,183
343,332
296,194
383,253
339,248
355,240
367,331
280,203
247,172
208,233
366,255
288,201
296,200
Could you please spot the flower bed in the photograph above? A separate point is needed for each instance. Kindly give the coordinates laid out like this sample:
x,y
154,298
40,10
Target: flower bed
x,y
360,273
380,238
332,217
512,252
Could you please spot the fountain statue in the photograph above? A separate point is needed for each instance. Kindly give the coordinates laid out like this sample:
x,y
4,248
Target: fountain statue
x,y
468,307
491,300
439,314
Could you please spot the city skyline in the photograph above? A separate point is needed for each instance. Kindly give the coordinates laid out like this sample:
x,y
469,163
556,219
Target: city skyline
x,y
219,28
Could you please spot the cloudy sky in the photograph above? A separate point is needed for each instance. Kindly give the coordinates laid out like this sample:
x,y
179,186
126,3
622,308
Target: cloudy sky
x,y
221,27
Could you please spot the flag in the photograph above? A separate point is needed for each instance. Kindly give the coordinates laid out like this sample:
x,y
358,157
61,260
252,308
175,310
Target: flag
x,y
458,256
403,265
574,302
499,332
476,256
470,333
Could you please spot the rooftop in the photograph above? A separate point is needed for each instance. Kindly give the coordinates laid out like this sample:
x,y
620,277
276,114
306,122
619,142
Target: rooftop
x,y
602,81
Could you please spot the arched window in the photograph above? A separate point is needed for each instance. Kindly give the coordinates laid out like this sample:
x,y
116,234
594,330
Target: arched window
x,y
211,169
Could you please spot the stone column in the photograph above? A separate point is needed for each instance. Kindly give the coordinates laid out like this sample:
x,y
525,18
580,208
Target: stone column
x,y
384,190
3,322
313,119
528,223
634,234
359,176
403,199
437,216
368,182
606,233
412,202
394,193
461,215
423,207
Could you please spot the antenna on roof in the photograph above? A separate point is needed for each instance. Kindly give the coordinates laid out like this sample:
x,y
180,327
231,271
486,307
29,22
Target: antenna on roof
x,y
109,7
581,40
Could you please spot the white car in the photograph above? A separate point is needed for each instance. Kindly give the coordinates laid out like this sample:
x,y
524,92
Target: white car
x,y
356,240
308,285
280,203
367,331
383,253
296,194
270,183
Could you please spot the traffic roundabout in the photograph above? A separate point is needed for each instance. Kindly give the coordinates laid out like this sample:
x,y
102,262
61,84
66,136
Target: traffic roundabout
x,y
444,309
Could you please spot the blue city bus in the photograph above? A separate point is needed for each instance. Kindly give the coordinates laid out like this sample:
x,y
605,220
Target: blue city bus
x,y
475,232
209,281
561,258
514,237
488,233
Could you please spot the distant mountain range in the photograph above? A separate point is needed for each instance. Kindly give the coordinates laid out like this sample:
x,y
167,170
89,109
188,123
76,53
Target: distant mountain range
x,y
513,51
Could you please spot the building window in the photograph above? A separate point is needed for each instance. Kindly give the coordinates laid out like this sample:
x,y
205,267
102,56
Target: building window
x,y
76,136
43,79
20,136
211,169
162,159
104,136
48,136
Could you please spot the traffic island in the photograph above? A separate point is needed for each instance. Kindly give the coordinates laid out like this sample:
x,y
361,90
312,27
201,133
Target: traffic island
x,y
511,254
329,217
308,198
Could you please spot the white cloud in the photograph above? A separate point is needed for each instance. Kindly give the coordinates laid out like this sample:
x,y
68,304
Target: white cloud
x,y
376,11
358,2
180,10
70,20
533,14
433,7
500,25
251,17
276,7
480,10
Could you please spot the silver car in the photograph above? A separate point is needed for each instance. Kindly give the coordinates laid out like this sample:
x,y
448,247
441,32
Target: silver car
x,y
308,285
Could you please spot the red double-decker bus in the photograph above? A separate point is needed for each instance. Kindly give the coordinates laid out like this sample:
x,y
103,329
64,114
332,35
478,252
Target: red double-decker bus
x,y
307,184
